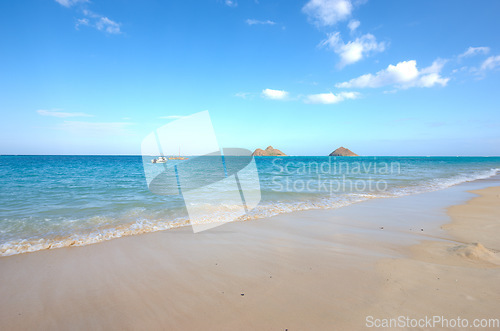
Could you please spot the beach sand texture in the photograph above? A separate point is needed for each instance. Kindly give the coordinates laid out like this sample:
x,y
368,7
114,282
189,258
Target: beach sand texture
x,y
313,270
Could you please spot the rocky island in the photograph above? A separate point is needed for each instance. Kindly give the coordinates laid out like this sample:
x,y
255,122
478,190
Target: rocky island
x,y
341,151
269,151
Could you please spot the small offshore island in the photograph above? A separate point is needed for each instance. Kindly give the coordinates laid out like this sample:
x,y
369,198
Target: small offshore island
x,y
270,151
342,151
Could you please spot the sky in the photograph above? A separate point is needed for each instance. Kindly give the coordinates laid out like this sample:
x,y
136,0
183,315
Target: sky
x,y
378,77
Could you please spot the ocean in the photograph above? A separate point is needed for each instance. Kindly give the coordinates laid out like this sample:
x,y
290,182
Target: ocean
x,y
58,201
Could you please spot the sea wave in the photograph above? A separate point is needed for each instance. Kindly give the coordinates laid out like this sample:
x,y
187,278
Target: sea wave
x,y
217,214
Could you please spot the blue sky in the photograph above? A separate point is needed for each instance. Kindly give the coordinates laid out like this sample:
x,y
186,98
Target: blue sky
x,y
378,77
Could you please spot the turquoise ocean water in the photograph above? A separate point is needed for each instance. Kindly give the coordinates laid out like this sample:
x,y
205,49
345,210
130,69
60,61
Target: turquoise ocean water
x,y
57,201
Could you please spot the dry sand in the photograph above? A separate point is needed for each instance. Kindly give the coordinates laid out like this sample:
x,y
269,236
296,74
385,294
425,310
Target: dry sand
x,y
450,278
314,270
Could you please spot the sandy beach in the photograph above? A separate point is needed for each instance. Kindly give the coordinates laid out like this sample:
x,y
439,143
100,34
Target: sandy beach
x,y
310,270
309,165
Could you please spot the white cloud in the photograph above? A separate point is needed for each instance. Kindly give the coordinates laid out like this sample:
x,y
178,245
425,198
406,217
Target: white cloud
x,y
435,67
328,12
471,51
353,25
355,50
242,95
100,22
231,3
490,63
108,25
330,98
171,117
60,114
69,3
402,75
81,21
274,94
255,22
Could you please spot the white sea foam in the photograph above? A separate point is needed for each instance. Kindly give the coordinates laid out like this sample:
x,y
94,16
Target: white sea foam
x,y
442,183
218,213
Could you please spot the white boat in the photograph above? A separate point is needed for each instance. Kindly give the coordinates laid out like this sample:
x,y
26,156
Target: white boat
x,y
160,159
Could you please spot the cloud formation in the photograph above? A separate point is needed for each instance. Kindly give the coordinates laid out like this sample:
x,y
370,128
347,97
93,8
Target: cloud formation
x,y
242,95
274,94
101,23
327,12
69,3
231,3
91,19
354,50
471,51
353,25
60,114
402,75
330,98
256,22
490,63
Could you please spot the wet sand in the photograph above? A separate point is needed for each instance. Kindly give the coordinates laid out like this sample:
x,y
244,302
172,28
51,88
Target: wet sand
x,y
312,270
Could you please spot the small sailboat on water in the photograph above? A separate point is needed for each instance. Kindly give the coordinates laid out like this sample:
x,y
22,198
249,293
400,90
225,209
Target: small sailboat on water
x,y
178,157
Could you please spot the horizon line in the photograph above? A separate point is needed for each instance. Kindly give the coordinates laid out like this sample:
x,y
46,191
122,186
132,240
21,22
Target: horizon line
x,y
255,155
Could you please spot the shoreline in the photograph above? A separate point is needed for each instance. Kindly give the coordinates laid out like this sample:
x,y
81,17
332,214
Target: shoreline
x,y
139,228
457,276
313,269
